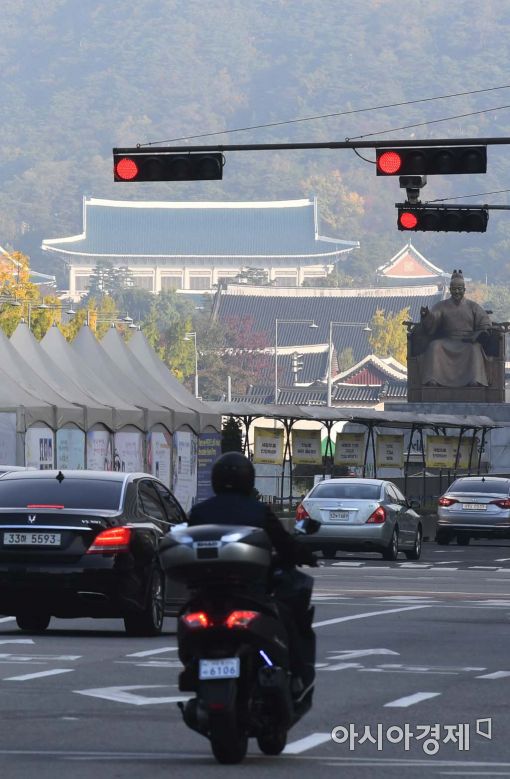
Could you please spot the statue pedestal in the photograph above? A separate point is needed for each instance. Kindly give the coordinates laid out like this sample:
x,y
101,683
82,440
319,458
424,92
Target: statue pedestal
x,y
417,394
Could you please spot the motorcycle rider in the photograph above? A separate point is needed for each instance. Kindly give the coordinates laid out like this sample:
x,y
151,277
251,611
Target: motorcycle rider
x,y
233,481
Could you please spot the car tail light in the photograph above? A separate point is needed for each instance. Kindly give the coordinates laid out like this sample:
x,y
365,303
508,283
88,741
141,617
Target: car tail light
x,y
446,501
115,539
197,619
240,619
503,504
301,513
377,517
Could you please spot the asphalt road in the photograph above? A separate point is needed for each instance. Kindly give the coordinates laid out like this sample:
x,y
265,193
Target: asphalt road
x,y
410,653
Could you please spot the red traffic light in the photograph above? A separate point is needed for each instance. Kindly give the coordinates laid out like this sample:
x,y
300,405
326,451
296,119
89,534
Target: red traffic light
x,y
165,164
389,163
445,219
433,160
126,169
407,220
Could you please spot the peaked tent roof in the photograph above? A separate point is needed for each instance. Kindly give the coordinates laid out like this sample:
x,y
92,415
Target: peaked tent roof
x,y
140,347
89,350
23,374
28,407
29,349
58,349
118,352
129,228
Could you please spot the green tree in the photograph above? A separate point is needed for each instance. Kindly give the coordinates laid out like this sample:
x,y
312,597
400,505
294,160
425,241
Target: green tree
x,y
169,319
231,436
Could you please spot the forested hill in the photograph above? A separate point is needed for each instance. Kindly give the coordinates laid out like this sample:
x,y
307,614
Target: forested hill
x,y
82,76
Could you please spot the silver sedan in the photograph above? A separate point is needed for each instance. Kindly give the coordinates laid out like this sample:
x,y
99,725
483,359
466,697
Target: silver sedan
x,y
369,515
474,507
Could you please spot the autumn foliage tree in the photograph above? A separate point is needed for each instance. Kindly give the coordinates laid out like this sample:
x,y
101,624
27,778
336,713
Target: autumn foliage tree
x,y
388,337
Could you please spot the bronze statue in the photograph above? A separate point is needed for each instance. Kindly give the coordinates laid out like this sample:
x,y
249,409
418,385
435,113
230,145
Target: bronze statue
x,y
454,331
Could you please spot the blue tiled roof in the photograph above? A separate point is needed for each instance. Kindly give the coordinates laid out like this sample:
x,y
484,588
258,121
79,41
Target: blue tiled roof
x,y
127,228
262,311
317,395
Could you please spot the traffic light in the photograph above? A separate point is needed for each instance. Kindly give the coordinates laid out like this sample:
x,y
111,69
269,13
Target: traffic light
x,y
453,219
297,363
164,164
431,160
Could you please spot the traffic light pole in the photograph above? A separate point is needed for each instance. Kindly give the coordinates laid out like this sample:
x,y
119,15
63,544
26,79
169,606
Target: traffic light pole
x,y
347,144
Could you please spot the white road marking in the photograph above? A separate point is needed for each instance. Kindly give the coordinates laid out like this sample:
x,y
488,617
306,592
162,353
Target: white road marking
x,y
483,567
148,652
502,559
36,659
38,675
16,640
308,742
124,694
448,562
365,615
410,700
350,654
495,675
341,666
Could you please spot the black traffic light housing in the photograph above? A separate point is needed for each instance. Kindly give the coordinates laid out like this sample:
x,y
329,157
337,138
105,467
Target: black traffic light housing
x,y
446,218
431,160
165,164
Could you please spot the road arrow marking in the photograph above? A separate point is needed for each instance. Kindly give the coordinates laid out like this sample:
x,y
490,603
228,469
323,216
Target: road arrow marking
x,y
350,654
124,694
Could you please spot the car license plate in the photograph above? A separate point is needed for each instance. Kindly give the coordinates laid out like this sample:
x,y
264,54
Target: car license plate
x,y
32,539
474,506
339,516
226,668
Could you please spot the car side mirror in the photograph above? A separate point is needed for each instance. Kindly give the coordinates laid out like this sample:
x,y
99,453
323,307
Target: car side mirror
x,y
307,526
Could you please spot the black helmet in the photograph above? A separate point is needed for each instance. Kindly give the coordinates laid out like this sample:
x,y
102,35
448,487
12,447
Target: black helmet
x,y
233,472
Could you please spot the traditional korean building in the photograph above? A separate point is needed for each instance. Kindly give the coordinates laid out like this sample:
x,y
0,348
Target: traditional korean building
x,y
193,246
408,267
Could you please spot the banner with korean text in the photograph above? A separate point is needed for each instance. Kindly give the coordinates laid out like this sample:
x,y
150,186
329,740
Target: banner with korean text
x,y
268,446
441,452
350,449
306,447
389,451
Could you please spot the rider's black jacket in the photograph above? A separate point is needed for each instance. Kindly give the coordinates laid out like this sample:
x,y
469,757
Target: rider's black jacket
x,y
234,509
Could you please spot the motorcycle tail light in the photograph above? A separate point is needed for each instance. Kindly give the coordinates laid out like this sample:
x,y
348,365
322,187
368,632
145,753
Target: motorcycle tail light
x,y
301,513
377,517
197,619
446,501
240,619
503,504
115,539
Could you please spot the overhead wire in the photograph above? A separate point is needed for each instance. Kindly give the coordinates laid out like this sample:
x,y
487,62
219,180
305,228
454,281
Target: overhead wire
x,y
335,114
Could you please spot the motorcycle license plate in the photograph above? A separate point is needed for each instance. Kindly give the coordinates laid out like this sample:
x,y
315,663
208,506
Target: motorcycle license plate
x,y
226,668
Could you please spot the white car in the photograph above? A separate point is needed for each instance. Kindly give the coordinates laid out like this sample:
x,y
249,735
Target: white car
x,y
362,515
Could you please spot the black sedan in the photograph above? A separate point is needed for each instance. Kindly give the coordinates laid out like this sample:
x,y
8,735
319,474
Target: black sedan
x,y
84,544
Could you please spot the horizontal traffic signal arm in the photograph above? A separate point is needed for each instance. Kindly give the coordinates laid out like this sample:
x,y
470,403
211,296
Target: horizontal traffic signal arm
x,y
165,164
446,218
442,160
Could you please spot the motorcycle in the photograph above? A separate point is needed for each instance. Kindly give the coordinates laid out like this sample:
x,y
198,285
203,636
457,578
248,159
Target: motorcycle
x,y
234,638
